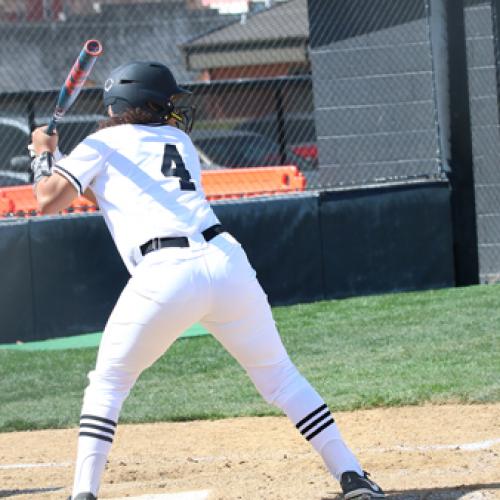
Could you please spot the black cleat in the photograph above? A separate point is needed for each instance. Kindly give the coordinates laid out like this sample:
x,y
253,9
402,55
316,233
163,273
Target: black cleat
x,y
83,496
356,486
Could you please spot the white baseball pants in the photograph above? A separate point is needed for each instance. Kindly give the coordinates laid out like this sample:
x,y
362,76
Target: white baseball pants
x,y
171,289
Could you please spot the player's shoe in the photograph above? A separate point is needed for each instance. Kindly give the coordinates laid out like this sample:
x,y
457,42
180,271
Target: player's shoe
x,y
83,496
359,487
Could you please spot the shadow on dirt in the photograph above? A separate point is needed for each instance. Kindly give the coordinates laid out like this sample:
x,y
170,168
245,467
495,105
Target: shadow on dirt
x,y
31,491
439,493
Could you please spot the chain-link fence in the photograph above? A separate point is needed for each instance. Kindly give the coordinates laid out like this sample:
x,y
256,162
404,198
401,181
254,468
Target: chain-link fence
x,y
348,100
346,90
350,92
374,90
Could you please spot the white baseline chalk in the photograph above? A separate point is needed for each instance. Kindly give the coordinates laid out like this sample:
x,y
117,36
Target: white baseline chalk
x,y
480,445
186,495
34,466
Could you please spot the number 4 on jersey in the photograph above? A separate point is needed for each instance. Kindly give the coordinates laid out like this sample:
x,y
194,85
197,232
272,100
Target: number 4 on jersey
x,y
173,166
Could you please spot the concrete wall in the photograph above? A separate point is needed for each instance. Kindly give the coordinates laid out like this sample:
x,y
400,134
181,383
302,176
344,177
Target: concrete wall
x,y
482,42
373,89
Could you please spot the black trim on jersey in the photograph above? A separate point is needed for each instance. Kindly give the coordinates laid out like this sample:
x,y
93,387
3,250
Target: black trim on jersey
x,y
319,429
311,415
72,178
97,436
99,419
98,428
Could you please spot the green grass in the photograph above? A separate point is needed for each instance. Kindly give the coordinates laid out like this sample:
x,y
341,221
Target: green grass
x,y
401,349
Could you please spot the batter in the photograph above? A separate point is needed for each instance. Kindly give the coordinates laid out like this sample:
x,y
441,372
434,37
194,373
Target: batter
x,y
144,173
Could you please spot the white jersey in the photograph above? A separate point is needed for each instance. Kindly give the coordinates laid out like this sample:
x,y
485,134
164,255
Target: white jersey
x,y
147,181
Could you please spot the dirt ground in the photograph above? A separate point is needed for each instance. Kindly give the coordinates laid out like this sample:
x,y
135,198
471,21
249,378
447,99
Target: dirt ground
x,y
429,452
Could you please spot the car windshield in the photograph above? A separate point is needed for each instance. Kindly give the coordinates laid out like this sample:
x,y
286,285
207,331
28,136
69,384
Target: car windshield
x,y
243,151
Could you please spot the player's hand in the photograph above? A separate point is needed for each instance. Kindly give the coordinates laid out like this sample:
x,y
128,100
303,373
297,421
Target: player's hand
x,y
41,142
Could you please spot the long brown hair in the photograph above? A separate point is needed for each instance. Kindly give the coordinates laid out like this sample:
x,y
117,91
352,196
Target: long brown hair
x,y
136,115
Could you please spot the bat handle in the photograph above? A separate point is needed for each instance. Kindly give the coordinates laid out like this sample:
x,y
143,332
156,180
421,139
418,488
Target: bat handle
x,y
51,127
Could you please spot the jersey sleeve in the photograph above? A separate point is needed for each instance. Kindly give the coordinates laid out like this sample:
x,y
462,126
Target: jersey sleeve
x,y
83,164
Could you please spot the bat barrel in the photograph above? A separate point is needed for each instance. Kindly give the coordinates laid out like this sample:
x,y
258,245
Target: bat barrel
x,y
75,80
83,65
93,48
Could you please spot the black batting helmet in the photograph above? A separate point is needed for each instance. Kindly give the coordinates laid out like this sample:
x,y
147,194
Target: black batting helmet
x,y
146,85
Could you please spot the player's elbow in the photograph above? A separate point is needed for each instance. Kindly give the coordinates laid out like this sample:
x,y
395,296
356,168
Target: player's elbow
x,y
54,194
49,203
47,206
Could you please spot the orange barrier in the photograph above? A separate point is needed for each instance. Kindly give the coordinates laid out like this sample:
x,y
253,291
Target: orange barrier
x,y
81,205
22,199
19,201
244,182
6,204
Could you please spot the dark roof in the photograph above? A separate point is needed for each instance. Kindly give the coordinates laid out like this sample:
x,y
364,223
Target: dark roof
x,y
283,25
284,20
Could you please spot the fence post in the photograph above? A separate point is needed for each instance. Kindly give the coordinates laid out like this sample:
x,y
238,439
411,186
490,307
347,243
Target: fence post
x,y
280,119
461,175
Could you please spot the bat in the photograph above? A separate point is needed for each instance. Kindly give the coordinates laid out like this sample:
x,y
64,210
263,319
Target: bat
x,y
74,81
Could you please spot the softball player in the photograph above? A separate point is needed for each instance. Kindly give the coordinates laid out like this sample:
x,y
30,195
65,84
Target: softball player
x,y
144,172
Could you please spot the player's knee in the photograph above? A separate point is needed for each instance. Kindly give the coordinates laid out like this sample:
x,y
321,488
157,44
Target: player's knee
x,y
277,383
111,385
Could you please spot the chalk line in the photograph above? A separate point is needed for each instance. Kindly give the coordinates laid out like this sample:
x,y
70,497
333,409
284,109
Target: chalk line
x,y
480,445
185,495
34,466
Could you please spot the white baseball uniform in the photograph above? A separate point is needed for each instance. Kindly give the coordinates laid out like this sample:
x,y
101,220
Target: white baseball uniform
x,y
147,181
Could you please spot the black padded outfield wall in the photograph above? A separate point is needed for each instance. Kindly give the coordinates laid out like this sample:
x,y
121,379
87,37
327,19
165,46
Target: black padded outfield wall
x,y
282,239
61,276
77,274
17,316
395,238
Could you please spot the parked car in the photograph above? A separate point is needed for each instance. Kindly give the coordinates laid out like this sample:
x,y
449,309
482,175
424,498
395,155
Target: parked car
x,y
237,148
8,178
299,130
217,148
73,129
14,139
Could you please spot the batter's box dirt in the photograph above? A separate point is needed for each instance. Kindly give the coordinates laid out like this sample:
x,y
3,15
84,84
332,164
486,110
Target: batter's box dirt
x,y
431,452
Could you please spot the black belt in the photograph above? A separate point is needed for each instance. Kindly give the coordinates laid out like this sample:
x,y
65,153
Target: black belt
x,y
178,241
